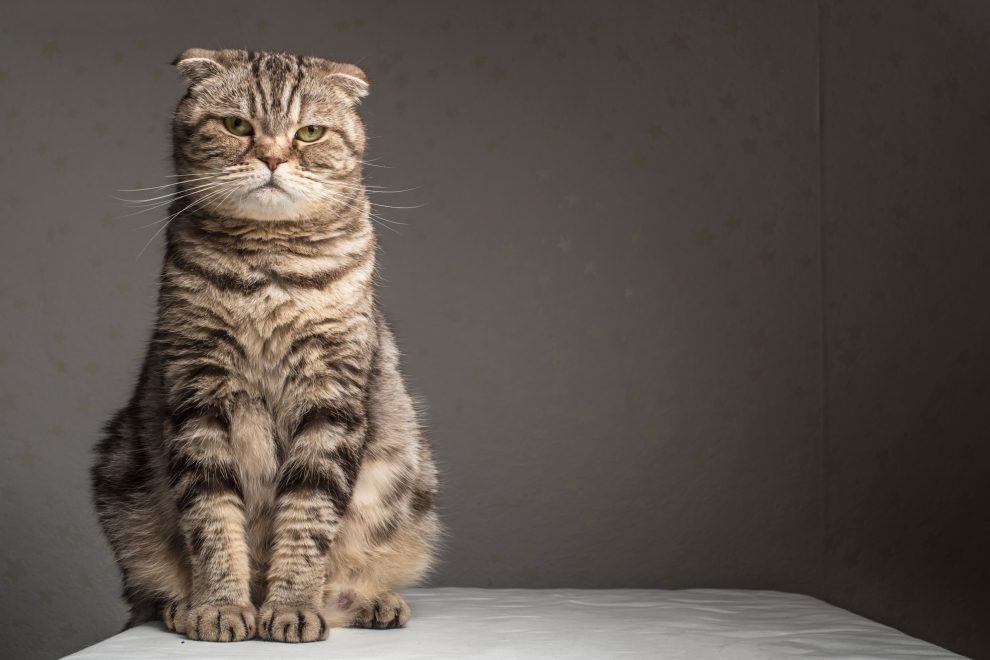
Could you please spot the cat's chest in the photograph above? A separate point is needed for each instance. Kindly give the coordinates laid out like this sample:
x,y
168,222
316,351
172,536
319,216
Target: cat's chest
x,y
263,321
271,322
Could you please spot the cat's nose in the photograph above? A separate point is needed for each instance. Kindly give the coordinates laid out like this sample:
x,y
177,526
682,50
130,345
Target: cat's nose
x,y
271,161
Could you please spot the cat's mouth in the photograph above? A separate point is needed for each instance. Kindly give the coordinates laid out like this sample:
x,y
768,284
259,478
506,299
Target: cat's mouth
x,y
270,185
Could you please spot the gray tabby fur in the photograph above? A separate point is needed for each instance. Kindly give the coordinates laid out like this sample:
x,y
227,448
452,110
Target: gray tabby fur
x,y
269,477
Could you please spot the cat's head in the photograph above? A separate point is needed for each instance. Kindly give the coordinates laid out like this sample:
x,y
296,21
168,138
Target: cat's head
x,y
267,136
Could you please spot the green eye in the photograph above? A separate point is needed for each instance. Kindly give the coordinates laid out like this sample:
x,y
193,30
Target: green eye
x,y
237,126
310,133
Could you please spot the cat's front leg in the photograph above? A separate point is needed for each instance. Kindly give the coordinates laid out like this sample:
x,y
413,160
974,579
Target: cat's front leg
x,y
208,496
314,487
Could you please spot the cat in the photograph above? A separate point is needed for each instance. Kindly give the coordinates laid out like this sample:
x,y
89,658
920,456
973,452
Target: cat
x,y
269,475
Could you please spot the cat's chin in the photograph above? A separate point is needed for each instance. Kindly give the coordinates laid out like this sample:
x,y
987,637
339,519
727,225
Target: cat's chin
x,y
268,204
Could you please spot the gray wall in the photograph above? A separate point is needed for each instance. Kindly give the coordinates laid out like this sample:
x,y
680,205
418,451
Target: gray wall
x,y
638,223
907,316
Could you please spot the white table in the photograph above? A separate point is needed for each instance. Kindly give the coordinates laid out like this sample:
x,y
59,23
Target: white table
x,y
505,624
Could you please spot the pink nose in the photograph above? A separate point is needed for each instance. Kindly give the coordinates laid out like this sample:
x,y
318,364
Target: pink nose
x,y
271,161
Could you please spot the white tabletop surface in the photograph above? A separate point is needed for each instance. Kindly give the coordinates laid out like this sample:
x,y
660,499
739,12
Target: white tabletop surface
x,y
508,624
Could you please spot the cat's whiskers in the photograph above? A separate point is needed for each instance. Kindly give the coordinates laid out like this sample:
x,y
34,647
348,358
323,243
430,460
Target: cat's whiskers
x,y
202,172
161,220
199,186
183,190
171,199
233,189
165,185
367,187
168,220
371,163
393,192
151,224
374,217
203,180
372,191
386,206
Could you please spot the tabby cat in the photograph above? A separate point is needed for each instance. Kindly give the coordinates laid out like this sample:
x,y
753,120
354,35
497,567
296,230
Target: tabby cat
x,y
269,476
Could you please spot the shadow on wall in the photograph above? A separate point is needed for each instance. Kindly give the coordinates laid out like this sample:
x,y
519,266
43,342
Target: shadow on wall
x,y
907,130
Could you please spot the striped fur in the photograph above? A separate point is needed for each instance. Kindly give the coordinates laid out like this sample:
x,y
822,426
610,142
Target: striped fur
x,y
269,476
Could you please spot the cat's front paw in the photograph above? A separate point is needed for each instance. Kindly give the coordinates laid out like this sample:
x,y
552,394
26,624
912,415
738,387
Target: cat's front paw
x,y
220,623
290,623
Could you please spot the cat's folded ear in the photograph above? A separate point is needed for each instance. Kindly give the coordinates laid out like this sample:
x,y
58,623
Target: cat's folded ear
x,y
351,79
197,64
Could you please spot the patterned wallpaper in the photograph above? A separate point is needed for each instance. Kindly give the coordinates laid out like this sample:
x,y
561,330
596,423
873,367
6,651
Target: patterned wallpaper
x,y
609,293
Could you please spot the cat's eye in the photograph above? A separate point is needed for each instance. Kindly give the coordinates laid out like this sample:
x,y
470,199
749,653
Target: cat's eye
x,y
237,126
310,133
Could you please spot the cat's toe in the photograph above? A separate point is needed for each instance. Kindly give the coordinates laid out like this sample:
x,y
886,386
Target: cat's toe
x,y
174,616
221,623
288,623
389,610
